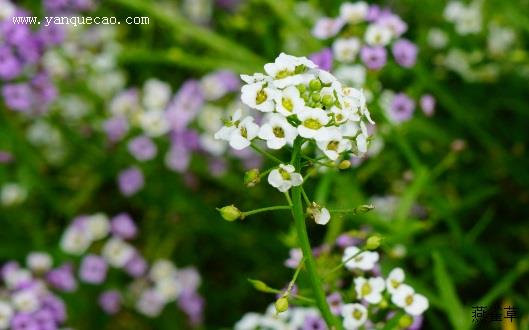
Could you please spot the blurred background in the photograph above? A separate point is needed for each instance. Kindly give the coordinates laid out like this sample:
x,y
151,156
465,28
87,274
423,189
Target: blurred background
x,y
116,121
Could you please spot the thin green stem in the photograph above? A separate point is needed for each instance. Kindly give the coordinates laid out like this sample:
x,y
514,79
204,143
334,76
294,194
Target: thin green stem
x,y
305,197
357,210
287,196
299,220
265,209
295,277
266,154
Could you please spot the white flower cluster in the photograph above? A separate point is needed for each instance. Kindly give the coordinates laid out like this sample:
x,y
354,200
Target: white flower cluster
x,y
466,18
293,318
371,290
299,100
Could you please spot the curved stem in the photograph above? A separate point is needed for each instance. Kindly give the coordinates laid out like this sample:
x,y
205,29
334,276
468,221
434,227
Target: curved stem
x,y
310,264
266,209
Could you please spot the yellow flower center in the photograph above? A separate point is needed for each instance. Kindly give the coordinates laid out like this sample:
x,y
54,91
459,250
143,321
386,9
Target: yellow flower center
x,y
409,300
244,132
333,145
312,124
287,104
261,96
284,174
357,314
279,132
366,289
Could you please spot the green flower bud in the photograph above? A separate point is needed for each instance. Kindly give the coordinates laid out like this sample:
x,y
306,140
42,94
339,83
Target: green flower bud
x,y
259,285
344,164
327,100
373,242
405,321
281,305
230,213
251,178
364,209
315,96
315,84
301,88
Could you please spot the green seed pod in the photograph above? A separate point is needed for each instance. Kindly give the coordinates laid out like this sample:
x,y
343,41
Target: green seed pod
x,y
373,242
315,84
327,100
281,305
230,213
251,177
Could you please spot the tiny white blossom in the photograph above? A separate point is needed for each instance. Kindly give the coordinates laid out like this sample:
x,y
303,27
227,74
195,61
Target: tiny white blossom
x,y
284,178
369,289
117,252
98,226
156,94
289,101
277,132
162,269
26,301
239,133
12,194
6,313
378,35
334,144
353,75
413,303
354,315
354,12
150,303
154,123
16,277
168,288
286,65
327,27
313,123
39,262
321,215
394,280
346,50
75,240
258,96
250,321
364,261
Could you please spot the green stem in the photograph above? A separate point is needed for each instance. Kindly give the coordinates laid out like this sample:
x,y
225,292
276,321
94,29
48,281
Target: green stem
x,y
266,154
299,220
265,209
357,210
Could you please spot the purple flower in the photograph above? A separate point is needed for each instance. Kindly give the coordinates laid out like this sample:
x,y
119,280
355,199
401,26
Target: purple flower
x,y
217,166
189,278
405,53
327,27
401,108
346,240
417,323
116,128
110,301
185,105
427,104
295,258
217,84
193,305
62,278
142,148
374,57
5,157
56,307
18,97
10,66
136,266
178,158
23,321
335,303
130,181
44,90
323,59
16,34
30,50
313,322
93,269
45,320
393,22
123,226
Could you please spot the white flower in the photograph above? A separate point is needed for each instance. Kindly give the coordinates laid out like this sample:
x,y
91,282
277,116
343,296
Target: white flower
x,y
288,65
284,177
16,277
364,261
257,77
6,313
346,50
437,38
413,303
378,35
250,321
162,269
154,123
354,12
39,262
239,133
75,240
320,214
354,315
150,303
394,280
7,9
352,75
334,144
98,226
168,288
259,97
313,123
117,252
12,194
289,101
156,94
277,132
327,27
369,289
26,301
